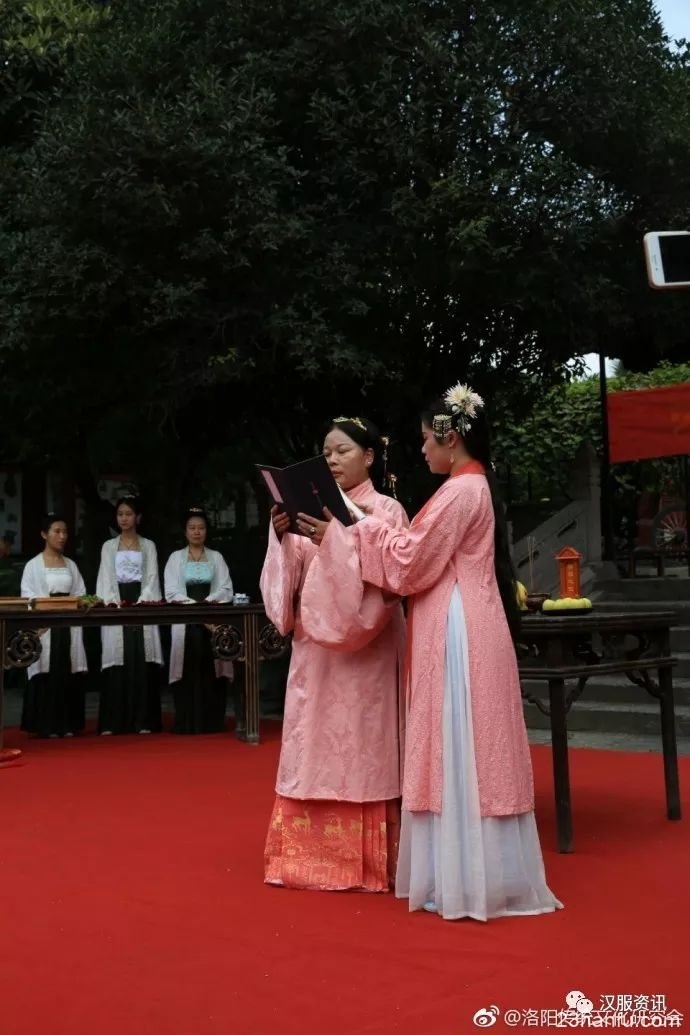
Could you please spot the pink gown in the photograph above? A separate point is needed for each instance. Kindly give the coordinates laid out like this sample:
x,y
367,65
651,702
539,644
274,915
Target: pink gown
x,y
469,844
335,821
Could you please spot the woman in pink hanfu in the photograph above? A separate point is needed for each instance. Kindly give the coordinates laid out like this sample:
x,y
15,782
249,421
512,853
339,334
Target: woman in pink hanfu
x,y
469,844
336,817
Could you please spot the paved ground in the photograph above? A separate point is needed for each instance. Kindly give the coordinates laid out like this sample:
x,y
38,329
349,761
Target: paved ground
x,y
611,741
603,741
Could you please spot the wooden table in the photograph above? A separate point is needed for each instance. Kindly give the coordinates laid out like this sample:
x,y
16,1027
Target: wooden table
x,y
573,649
241,634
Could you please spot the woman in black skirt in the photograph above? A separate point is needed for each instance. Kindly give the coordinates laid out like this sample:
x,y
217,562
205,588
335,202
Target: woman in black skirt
x,y
199,683
54,697
132,656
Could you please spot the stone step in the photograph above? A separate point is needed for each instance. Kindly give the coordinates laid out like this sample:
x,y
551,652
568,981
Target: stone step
x,y
680,639
647,743
640,719
646,590
680,607
682,669
616,690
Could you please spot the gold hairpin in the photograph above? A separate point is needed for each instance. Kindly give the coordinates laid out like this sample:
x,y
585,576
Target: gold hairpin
x,y
350,420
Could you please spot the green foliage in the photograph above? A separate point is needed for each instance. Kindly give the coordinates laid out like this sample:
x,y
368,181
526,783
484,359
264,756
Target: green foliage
x,y
227,221
37,40
541,444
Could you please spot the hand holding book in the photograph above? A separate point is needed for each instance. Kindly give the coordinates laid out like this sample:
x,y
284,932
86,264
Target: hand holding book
x,y
307,488
316,528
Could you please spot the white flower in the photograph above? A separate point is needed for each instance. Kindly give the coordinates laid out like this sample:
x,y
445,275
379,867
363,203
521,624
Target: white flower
x,y
461,399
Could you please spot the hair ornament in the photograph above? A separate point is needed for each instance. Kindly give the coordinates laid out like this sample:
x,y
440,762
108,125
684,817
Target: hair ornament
x,y
196,510
351,420
442,424
464,405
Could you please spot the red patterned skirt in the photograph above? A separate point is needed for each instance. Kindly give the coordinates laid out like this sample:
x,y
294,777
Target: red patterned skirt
x,y
332,845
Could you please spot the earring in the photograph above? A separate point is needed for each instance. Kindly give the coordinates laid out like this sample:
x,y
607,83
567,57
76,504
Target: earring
x,y
452,459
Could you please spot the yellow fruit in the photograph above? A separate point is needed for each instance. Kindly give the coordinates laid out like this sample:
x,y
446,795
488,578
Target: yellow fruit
x,y
549,605
521,596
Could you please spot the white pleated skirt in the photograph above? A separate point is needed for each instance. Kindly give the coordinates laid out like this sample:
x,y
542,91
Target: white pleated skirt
x,y
456,863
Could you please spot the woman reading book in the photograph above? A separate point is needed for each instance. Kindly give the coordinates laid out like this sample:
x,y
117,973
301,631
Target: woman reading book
x,y
469,844
335,820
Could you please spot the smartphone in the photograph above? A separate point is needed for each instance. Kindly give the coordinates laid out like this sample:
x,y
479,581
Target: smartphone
x,y
667,253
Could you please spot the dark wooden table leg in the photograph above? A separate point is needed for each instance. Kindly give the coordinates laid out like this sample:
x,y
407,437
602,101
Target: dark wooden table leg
x,y
668,741
239,699
6,754
2,685
251,670
561,775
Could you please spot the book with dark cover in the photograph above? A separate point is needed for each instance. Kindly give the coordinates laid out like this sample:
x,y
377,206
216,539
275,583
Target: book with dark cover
x,y
306,487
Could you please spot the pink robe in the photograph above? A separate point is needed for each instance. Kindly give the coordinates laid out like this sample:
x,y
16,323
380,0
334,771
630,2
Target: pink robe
x,y
341,720
450,542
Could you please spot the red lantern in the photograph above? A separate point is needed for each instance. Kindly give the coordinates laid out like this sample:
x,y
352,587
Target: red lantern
x,y
569,571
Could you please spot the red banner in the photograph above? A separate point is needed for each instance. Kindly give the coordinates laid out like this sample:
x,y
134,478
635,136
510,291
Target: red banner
x,y
649,423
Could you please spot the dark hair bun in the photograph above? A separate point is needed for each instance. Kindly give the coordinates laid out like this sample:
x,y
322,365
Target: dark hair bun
x,y
195,512
49,519
131,501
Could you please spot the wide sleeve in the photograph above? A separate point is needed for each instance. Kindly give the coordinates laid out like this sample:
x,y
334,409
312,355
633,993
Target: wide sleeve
x,y
106,586
29,587
280,579
409,560
404,561
222,589
78,585
150,584
172,583
339,610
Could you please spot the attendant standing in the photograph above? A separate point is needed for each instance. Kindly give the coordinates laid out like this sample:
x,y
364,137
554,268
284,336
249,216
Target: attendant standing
x,y
54,697
197,574
132,656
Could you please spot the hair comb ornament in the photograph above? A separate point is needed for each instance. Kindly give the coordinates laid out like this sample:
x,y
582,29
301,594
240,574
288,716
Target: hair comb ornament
x,y
350,420
464,404
196,510
442,424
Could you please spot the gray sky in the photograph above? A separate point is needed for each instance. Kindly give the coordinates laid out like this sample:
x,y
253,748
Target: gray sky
x,y
675,14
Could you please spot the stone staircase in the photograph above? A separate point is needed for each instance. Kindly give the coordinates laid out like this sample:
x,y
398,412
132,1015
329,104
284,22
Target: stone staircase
x,y
612,704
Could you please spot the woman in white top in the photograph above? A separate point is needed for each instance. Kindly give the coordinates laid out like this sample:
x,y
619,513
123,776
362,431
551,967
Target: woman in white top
x,y
131,656
54,697
199,683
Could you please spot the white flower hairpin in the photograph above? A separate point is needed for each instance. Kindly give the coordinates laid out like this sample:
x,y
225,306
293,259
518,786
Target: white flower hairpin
x,y
464,405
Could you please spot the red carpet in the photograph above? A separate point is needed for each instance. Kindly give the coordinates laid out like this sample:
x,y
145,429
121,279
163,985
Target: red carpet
x,y
133,903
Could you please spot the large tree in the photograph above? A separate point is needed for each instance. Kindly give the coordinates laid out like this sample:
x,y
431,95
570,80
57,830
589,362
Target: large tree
x,y
231,219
